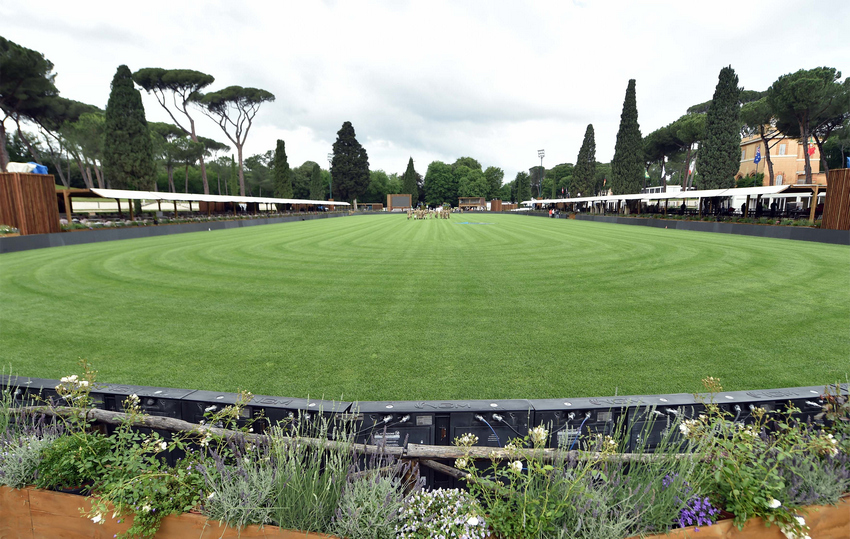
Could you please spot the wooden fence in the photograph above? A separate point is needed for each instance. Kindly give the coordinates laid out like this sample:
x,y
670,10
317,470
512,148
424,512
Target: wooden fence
x,y
836,207
28,203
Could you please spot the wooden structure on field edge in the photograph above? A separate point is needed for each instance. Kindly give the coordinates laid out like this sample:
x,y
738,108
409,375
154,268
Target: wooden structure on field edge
x,y
472,203
401,201
836,206
28,202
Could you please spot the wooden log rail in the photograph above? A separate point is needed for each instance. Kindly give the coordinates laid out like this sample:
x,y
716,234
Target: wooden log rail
x,y
426,454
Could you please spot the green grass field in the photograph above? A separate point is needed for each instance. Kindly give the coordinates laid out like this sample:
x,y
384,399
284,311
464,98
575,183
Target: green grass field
x,y
379,307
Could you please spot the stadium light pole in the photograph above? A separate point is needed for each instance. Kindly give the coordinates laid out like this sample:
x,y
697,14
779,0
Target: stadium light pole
x,y
540,154
331,181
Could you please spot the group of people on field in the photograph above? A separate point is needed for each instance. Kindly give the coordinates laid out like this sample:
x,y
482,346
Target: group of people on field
x,y
426,213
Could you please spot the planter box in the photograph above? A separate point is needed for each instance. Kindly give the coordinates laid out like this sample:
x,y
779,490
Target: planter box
x,y
43,514
825,522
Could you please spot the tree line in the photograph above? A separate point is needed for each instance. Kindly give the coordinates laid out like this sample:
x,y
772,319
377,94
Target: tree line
x,y
702,147
699,149
116,147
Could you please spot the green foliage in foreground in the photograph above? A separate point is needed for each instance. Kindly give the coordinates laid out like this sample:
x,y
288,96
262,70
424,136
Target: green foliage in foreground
x,y
379,307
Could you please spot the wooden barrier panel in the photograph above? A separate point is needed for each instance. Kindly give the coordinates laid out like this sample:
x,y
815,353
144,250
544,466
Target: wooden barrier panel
x,y
836,207
28,203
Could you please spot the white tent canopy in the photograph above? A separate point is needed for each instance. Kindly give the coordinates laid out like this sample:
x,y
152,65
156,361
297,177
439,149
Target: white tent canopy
x,y
188,197
705,193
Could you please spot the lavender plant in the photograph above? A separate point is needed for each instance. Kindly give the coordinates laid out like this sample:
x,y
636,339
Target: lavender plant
x,y
813,480
240,484
23,438
310,476
373,497
369,508
20,456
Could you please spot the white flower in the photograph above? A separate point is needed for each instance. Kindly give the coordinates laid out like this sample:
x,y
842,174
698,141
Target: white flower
x,y
97,519
163,445
211,496
84,383
516,466
473,521
538,435
684,429
146,508
461,463
774,503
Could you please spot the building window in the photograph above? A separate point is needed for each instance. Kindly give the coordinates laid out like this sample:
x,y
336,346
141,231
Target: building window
x,y
779,179
743,154
781,149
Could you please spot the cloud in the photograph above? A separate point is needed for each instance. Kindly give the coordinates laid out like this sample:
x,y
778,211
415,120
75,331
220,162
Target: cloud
x,y
495,80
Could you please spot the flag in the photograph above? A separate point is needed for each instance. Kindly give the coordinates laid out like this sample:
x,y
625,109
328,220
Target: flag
x,y
758,155
811,148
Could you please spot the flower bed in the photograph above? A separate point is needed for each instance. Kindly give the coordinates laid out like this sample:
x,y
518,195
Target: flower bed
x,y
307,474
34,513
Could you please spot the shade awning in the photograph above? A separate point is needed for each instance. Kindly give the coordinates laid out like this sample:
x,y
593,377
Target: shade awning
x,y
191,197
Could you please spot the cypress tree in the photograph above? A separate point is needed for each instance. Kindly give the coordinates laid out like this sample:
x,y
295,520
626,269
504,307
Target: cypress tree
x,y
523,187
627,164
282,173
317,187
584,173
408,183
349,166
719,154
128,149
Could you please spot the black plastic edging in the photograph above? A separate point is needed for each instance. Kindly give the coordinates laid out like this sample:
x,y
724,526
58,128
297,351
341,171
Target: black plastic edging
x,y
41,241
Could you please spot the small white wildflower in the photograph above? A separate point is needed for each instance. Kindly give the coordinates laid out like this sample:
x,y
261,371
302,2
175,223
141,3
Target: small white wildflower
x,y
163,445
516,466
84,383
146,508
538,435
473,521
97,519
774,503
211,496
461,463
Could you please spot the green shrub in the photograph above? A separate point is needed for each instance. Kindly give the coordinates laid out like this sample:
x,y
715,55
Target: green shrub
x,y
73,460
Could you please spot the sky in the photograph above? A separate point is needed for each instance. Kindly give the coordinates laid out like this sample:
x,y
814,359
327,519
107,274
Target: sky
x,y
437,80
